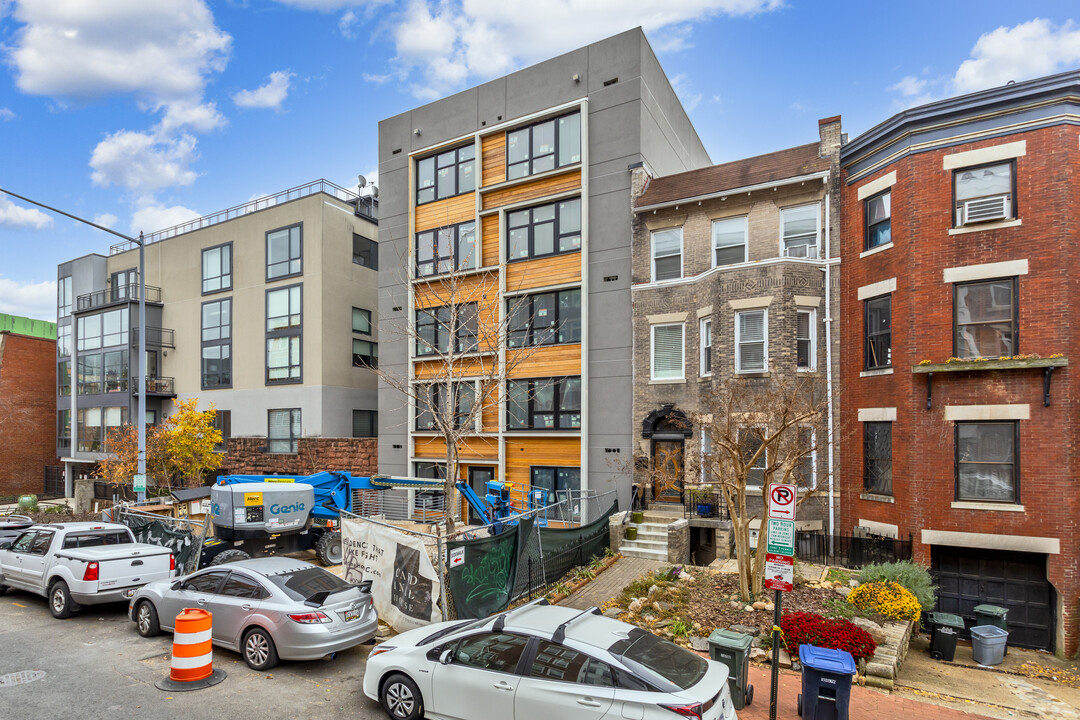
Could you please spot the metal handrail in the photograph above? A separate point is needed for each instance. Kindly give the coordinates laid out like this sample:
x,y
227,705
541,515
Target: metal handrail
x,y
155,337
115,295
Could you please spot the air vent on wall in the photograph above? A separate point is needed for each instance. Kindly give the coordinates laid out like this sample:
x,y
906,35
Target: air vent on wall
x,y
612,81
611,278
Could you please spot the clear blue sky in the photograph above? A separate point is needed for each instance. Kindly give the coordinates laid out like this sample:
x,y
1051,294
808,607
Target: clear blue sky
x,y
145,113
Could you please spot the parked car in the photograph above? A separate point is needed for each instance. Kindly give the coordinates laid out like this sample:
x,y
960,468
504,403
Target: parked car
x,y
80,563
11,526
540,662
265,609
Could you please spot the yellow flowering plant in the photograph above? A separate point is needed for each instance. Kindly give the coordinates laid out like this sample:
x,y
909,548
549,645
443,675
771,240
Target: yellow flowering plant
x,y
887,599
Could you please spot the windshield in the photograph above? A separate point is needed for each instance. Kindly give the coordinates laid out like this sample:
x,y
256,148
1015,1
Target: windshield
x,y
661,660
466,625
302,584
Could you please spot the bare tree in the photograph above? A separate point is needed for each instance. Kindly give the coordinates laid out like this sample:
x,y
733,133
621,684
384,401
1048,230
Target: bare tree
x,y
460,328
762,432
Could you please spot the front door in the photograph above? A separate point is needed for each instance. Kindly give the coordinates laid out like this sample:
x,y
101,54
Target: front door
x,y
479,476
667,470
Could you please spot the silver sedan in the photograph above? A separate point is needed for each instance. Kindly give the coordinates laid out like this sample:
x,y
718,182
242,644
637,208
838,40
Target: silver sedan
x,y
265,608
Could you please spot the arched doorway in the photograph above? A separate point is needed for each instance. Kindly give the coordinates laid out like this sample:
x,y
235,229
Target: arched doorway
x,y
668,429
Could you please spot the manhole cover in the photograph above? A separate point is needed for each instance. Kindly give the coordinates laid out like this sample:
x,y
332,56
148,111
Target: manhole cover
x,y
20,678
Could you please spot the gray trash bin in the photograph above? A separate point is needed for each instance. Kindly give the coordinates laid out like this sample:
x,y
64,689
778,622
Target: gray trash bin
x,y
733,649
988,644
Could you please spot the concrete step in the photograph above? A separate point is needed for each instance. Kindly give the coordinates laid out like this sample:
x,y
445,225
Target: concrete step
x,y
651,527
643,553
648,544
663,517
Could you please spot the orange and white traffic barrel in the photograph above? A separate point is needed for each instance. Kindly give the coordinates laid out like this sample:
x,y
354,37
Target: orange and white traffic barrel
x,y
192,666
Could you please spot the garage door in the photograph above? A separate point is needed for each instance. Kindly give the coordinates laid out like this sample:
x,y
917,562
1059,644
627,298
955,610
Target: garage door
x,y
968,577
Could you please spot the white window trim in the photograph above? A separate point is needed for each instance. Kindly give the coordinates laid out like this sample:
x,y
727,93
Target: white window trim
x,y
765,456
817,227
652,254
652,353
701,345
765,334
875,186
746,238
813,339
813,455
987,271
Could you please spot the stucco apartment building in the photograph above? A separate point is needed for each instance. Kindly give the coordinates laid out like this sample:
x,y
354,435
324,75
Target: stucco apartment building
x,y
959,281
266,310
533,170
27,385
730,282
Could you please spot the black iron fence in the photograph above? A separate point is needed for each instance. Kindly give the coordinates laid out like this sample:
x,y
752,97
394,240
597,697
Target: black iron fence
x,y
702,503
849,551
54,482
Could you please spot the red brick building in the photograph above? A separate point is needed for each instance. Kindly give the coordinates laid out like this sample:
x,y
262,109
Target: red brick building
x,y
959,408
27,411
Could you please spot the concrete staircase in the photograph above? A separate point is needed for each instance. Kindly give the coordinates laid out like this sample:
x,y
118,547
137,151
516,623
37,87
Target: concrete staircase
x,y
652,536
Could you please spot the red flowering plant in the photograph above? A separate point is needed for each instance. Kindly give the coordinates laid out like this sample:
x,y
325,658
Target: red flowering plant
x,y
801,628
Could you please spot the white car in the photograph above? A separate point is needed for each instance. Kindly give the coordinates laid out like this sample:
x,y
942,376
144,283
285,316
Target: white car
x,y
540,662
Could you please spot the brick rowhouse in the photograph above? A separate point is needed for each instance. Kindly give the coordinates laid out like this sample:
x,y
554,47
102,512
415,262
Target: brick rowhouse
x,y
27,412
980,262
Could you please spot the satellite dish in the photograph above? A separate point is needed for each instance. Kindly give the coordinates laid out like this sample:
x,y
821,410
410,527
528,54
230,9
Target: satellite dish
x,y
374,191
361,181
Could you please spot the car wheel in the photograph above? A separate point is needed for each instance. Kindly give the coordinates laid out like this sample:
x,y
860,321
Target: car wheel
x,y
3,590
259,650
328,549
146,619
228,556
401,698
60,603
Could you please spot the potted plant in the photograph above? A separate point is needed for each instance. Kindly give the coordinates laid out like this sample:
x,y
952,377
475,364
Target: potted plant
x,y
703,499
637,517
631,533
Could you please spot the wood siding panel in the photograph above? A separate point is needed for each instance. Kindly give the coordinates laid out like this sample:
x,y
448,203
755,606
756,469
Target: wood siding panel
x,y
473,448
552,361
562,182
489,418
522,453
490,240
455,289
451,211
554,270
493,151
467,367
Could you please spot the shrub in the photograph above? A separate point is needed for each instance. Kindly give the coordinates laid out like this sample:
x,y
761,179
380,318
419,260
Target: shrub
x,y
888,599
810,629
906,574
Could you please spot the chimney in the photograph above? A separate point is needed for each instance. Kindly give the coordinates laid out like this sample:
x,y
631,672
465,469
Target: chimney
x,y
830,136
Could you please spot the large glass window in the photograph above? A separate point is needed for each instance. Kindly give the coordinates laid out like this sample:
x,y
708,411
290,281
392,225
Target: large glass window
x,y
223,423
116,371
878,211
544,230
434,327
805,339
432,402
365,354
365,251
799,227
125,284
63,377
63,340
365,423
283,431
750,441
283,334
544,146
545,318
667,352
97,425
284,252
986,456
751,341
89,375
449,173
446,249
877,457
561,483
217,268
544,404
63,429
102,330
984,194
986,319
667,254
217,343
729,241
63,297
361,321
879,332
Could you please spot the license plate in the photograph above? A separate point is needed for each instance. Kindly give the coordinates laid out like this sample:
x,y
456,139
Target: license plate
x,y
351,615
129,593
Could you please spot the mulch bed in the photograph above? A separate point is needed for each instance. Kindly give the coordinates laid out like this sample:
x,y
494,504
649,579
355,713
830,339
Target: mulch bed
x,y
710,602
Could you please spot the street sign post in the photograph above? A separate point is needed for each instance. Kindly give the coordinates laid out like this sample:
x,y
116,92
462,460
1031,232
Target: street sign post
x,y
779,565
781,539
782,502
779,572
139,481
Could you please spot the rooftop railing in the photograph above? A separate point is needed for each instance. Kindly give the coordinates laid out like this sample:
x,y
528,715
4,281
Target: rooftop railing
x,y
116,294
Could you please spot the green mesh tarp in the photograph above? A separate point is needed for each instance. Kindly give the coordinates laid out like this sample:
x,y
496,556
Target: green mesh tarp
x,y
563,549
482,572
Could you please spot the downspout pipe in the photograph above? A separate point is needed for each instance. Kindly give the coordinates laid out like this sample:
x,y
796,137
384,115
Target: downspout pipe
x,y
829,369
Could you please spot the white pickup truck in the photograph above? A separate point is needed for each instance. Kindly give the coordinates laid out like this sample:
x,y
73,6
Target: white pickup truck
x,y
81,563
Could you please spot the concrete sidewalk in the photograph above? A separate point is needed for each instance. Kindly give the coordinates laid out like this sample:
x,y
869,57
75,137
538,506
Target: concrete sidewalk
x,y
611,582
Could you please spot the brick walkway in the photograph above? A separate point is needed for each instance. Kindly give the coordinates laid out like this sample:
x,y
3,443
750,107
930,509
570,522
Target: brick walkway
x,y
611,582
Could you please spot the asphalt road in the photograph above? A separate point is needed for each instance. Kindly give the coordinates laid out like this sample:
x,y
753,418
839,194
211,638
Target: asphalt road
x,y
97,667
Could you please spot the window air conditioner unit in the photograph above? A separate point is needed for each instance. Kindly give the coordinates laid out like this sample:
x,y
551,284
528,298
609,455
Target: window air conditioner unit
x,y
802,251
861,531
984,210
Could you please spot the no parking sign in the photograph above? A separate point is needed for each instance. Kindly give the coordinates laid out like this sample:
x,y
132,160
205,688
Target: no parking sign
x,y
782,502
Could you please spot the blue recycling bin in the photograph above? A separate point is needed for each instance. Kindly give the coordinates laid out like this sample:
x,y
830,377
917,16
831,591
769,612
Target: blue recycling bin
x,y
826,683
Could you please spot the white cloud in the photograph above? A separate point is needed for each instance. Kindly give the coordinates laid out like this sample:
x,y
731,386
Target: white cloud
x,y
200,117
28,299
1029,50
106,220
6,114
154,217
682,88
16,216
161,50
346,23
270,95
908,86
143,162
446,42
325,5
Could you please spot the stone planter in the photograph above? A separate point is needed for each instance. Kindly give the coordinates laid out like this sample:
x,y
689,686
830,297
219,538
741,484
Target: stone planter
x,y
631,533
637,517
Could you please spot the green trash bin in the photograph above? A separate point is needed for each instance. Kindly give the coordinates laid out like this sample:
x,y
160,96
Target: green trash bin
x,y
733,649
992,615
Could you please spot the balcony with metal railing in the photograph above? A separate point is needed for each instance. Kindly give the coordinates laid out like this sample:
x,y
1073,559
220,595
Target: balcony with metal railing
x,y
155,337
116,295
156,387
365,206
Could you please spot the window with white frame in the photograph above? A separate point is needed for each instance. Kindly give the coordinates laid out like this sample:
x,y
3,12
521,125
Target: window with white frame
x,y
986,454
751,341
705,333
667,352
799,229
878,210
984,194
667,254
750,441
729,241
806,339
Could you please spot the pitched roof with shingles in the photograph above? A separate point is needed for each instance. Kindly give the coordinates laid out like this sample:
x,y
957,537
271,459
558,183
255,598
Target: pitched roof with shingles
x,y
771,167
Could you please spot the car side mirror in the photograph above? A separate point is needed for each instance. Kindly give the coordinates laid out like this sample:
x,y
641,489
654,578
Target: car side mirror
x,y
447,656
5,544
176,585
